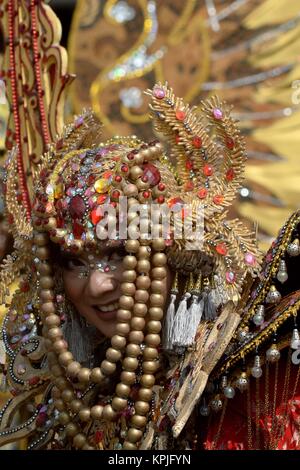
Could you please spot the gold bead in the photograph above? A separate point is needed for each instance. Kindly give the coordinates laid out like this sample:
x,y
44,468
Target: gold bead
x,y
159,259
158,244
136,172
141,407
108,413
156,313
48,308
44,269
108,367
122,390
158,273
40,239
129,262
79,441
154,326
150,353
127,378
118,342
61,383
129,275
84,374
73,369
130,189
76,405
140,309
54,333
157,286
150,367
136,337
56,370
134,435
47,295
132,246
128,288
129,446
63,418
147,380
133,350
113,355
71,429
65,358
59,346
46,282
84,414
137,323
143,266
126,302
122,328
157,300
67,395
118,403
42,252
96,411
138,421
52,320
152,340
141,296
143,282
144,252
96,375
59,404
123,315
145,393
130,363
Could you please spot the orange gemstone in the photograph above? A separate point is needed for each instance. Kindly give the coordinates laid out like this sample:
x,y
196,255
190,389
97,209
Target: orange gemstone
x,y
96,215
208,170
189,186
197,142
180,115
221,249
218,199
189,165
102,198
202,193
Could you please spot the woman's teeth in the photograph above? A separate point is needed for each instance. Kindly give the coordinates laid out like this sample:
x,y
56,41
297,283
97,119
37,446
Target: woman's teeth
x,y
108,308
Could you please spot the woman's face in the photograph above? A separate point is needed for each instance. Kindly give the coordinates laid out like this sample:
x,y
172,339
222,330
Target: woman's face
x,y
94,292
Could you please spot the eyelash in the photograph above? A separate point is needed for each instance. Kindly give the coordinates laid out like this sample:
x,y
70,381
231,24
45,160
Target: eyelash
x,y
75,263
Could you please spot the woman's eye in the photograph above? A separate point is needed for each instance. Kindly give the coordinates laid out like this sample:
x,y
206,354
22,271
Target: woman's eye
x,y
74,263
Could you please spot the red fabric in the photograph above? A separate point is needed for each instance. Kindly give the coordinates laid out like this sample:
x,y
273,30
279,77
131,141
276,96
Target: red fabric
x,y
285,434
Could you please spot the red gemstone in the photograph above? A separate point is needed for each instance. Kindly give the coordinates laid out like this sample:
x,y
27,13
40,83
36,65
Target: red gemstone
x,y
161,187
202,193
218,199
221,249
208,170
98,437
10,219
77,207
146,194
124,168
197,142
59,144
115,194
180,115
118,179
160,199
91,179
229,142
78,229
33,380
177,138
230,174
41,419
189,186
189,165
130,156
152,174
101,199
96,215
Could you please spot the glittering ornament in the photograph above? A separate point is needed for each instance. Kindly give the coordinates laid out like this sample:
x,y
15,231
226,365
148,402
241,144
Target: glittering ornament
x,y
272,354
242,382
221,249
229,392
218,114
293,249
273,296
77,207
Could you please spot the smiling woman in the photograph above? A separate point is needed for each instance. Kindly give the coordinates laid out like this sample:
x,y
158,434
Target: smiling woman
x,y
111,339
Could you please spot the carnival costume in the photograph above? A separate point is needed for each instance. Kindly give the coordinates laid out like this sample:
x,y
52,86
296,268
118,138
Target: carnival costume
x,y
70,405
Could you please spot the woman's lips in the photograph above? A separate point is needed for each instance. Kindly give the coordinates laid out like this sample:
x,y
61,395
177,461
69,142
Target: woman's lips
x,y
109,315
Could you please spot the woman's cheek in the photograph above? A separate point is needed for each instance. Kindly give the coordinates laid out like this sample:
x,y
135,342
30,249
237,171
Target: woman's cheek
x,y
73,288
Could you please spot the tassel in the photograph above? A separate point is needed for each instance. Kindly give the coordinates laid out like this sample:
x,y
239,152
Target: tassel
x,y
170,316
194,314
178,335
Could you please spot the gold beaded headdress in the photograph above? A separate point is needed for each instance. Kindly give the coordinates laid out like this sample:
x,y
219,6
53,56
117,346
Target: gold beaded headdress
x,y
78,175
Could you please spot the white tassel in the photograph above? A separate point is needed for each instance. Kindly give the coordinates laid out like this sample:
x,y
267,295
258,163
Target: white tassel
x,y
194,316
181,317
169,323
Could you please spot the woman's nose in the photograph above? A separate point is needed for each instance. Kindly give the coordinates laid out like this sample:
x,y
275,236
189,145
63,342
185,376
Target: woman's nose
x,y
100,283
